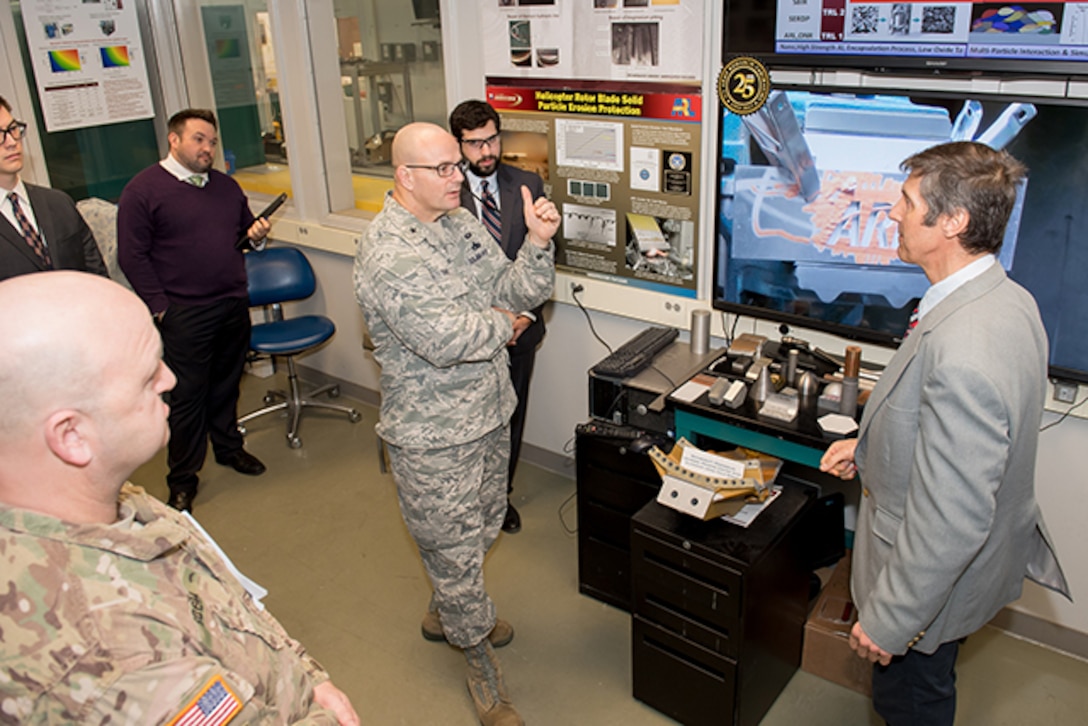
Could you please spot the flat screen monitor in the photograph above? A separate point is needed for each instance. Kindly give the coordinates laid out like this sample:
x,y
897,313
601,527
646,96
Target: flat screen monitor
x,y
806,183
1020,37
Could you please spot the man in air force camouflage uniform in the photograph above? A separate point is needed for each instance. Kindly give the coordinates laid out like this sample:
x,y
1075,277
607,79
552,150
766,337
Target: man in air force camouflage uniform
x,y
116,607
438,295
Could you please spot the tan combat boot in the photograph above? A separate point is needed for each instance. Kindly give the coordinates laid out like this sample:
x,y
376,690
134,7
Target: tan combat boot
x,y
500,635
487,688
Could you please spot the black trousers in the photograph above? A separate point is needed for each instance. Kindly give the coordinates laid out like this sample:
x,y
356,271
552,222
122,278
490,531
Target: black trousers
x,y
205,346
521,371
917,689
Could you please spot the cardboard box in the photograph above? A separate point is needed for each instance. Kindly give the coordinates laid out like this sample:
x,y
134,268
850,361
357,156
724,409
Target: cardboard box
x,y
826,650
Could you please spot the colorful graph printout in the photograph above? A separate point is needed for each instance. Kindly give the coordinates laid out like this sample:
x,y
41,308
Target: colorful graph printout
x,y
88,59
61,61
115,56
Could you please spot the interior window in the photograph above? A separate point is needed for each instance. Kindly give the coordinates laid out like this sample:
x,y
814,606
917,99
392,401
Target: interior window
x,y
247,99
391,74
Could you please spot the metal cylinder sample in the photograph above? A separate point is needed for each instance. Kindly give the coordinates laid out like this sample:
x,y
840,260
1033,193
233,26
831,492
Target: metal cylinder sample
x,y
808,384
848,406
852,365
700,332
763,386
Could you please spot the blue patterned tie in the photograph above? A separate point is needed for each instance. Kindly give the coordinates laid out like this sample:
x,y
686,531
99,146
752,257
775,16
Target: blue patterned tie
x,y
29,233
490,212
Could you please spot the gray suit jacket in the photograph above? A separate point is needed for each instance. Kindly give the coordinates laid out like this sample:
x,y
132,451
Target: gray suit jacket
x,y
948,525
71,244
512,209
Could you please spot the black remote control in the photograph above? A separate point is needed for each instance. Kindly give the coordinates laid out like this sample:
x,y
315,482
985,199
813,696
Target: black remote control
x,y
265,214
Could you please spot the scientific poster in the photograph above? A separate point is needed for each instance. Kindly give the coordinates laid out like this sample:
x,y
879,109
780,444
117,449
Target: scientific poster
x,y
88,62
637,40
621,162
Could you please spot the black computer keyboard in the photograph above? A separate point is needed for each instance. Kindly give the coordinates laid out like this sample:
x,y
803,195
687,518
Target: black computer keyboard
x,y
637,353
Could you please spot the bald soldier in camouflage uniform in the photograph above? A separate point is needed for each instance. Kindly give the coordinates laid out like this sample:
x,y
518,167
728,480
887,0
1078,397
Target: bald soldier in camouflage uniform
x,y
114,607
438,295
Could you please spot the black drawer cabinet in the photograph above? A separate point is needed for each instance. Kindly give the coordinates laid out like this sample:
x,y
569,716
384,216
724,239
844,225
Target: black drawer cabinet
x,y
719,610
612,484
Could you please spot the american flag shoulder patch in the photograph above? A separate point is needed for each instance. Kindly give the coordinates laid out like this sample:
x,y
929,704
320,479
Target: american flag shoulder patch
x,y
215,704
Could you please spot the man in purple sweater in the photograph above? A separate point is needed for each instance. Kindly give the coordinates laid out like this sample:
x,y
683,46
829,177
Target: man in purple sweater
x,y
177,225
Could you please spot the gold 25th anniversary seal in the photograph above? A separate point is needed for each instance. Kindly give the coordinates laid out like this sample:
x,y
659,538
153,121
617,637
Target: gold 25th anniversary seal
x,y
743,85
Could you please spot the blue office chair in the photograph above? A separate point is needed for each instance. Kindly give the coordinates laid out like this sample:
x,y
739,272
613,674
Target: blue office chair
x,y
276,276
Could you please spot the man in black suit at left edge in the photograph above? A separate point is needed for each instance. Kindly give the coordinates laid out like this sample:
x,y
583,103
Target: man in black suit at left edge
x,y
41,228
476,126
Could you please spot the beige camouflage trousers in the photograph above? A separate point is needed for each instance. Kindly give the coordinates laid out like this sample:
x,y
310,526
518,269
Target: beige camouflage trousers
x,y
453,501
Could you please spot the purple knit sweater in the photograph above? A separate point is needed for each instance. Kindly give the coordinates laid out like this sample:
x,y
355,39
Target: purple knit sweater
x,y
175,241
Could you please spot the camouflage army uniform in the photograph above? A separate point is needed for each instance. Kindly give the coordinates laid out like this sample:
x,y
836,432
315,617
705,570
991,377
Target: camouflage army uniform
x,y
129,623
427,292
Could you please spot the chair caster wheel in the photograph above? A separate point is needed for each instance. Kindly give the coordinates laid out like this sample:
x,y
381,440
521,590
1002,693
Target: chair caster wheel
x,y
334,392
355,416
294,442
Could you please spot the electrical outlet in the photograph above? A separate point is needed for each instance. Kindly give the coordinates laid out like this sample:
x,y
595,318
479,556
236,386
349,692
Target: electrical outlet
x,y
1065,391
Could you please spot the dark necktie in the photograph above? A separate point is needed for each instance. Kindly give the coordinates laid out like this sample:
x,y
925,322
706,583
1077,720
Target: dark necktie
x,y
29,233
490,212
912,323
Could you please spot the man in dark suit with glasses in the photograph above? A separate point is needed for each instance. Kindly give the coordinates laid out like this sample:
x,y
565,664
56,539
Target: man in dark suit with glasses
x,y
42,229
492,191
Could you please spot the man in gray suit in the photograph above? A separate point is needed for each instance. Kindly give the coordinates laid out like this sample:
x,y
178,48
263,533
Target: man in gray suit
x,y
40,229
948,525
477,126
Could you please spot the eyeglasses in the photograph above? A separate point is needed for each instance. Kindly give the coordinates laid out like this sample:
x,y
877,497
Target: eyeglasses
x,y
17,129
478,144
444,170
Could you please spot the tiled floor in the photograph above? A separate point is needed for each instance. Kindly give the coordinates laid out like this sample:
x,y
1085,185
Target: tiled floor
x,y
322,531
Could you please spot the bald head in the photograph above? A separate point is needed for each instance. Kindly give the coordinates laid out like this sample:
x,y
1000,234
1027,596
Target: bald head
x,y
412,143
427,176
82,381
61,331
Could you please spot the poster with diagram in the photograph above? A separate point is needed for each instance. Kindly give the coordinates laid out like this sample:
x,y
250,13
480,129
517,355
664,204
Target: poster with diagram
x,y
621,161
645,40
88,61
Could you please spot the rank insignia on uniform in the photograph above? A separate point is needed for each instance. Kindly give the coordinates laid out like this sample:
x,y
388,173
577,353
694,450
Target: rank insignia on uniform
x,y
215,704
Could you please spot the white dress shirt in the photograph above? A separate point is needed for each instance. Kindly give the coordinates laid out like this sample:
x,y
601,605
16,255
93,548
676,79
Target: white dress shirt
x,y
948,285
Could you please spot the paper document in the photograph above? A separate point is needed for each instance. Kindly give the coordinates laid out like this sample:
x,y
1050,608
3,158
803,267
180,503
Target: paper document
x,y
689,392
749,512
703,462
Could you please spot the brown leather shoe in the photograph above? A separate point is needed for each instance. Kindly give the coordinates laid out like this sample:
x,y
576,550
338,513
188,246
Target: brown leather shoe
x,y
500,635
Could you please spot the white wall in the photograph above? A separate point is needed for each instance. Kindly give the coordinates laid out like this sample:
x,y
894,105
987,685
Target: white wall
x,y
343,357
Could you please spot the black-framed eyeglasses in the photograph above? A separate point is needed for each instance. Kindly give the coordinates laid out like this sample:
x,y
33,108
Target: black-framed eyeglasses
x,y
478,144
17,129
445,170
